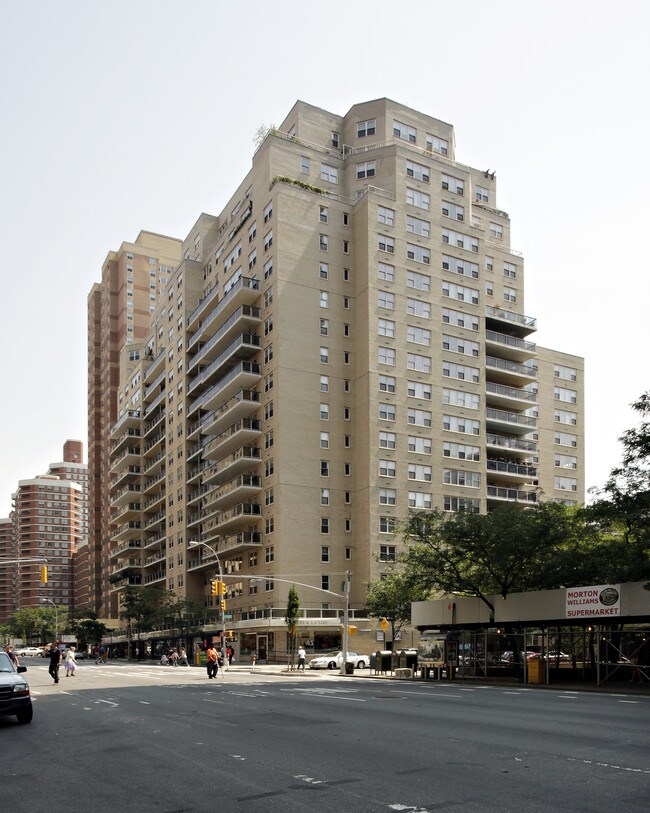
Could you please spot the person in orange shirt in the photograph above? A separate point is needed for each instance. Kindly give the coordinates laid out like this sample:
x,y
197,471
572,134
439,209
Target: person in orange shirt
x,y
212,661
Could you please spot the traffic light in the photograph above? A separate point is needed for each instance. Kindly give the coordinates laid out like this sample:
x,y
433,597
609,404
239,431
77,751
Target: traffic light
x,y
214,587
221,588
44,574
223,604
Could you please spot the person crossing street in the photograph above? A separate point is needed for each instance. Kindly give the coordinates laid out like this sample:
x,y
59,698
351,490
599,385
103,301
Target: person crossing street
x,y
55,662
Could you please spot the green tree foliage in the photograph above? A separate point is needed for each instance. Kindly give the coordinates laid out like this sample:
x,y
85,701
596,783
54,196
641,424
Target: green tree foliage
x,y
291,620
140,609
83,624
37,623
391,597
622,510
508,550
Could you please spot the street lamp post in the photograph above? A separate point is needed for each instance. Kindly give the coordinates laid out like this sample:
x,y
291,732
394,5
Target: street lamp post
x,y
194,543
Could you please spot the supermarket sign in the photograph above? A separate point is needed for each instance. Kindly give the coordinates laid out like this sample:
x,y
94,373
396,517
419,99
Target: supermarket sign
x,y
595,601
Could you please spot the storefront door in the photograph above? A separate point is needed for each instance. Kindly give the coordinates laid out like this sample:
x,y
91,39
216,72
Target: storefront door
x,y
262,653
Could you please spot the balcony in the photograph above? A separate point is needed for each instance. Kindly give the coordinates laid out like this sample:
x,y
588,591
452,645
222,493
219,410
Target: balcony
x,y
151,523
511,471
125,547
124,476
154,465
153,388
127,581
501,395
155,420
509,372
241,488
243,404
515,324
510,445
129,434
159,399
152,578
128,457
244,375
509,347
126,530
129,511
155,558
512,422
130,418
241,433
244,292
239,462
244,346
244,320
152,482
132,563
232,544
496,493
156,366
154,445
124,495
154,501
154,541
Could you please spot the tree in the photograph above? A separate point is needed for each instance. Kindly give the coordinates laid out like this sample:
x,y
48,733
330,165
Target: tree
x,y
291,620
260,134
83,624
390,597
508,550
622,510
140,606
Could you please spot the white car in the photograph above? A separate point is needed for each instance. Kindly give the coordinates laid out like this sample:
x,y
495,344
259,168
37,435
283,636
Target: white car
x,y
333,660
29,651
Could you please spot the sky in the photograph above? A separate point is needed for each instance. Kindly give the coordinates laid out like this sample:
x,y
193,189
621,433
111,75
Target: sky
x,y
122,116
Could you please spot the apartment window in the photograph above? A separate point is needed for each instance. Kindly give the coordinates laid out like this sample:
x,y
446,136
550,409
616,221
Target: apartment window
x,y
387,496
470,506
419,472
563,394
346,385
346,275
324,553
567,373
268,268
324,299
347,469
566,439
436,144
268,411
387,383
323,242
324,355
324,327
564,416
419,445
268,467
481,194
418,389
387,553
460,240
460,292
496,230
566,461
386,243
460,371
489,263
387,356
366,128
454,423
304,165
453,210
387,525
268,240
268,382
387,440
469,400
460,319
347,441
268,439
268,353
324,496
346,303
509,295
365,170
268,325
385,216
387,412
510,270
418,335
451,184
455,477
419,199
460,451
386,272
324,412
387,468
325,582
421,364
324,468
416,307
566,483
418,171
419,417
346,247
324,525
416,226
462,346
420,255
386,327
268,496
323,214
334,139
386,300
418,499
489,289
268,212
404,131
324,383
269,554
329,173
346,357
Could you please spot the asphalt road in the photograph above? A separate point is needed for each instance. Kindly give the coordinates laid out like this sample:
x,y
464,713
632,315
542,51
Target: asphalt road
x,y
149,738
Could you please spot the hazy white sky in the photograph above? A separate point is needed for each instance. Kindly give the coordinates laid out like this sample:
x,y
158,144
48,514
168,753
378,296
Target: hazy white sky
x,y
128,115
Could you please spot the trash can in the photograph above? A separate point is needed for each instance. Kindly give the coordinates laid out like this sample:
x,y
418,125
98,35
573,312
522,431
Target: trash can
x,y
349,668
536,671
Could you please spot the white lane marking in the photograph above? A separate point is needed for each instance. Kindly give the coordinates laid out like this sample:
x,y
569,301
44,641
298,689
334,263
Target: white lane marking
x,y
87,708
408,807
239,757
628,701
144,702
108,702
308,779
517,693
242,694
608,765
466,690
567,697
437,694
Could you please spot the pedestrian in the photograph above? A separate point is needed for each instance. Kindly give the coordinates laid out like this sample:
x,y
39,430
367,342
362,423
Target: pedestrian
x,y
302,657
70,663
14,658
229,653
96,653
101,653
182,658
55,662
636,672
173,657
137,653
212,662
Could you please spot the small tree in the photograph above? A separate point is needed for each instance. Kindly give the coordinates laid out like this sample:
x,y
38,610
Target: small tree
x,y
140,606
391,597
291,620
260,134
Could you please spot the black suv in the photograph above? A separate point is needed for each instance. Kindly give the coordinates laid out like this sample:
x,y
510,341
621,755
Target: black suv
x,y
14,691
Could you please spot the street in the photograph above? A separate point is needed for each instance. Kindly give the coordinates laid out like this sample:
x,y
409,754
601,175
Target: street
x,y
140,737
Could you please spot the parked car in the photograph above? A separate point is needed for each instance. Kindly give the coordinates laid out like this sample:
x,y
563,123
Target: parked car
x,y
553,656
333,660
508,657
15,698
29,651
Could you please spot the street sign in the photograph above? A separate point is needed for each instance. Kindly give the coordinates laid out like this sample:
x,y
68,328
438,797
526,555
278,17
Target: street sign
x,y
383,624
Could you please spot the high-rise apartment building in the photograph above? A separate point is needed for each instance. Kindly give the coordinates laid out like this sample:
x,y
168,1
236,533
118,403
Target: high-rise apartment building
x,y
134,279
347,341
7,569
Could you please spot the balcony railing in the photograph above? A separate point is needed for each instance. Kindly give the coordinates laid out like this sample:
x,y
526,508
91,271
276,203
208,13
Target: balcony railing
x,y
510,417
248,340
510,341
242,310
506,442
511,468
243,282
512,494
517,318
510,392
242,367
511,366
